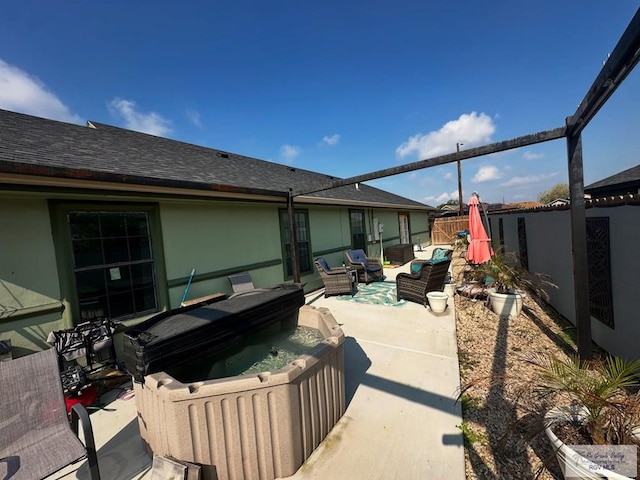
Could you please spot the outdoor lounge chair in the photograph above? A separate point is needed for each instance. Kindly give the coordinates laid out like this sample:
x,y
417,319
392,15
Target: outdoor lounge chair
x,y
426,276
368,269
338,280
241,282
36,437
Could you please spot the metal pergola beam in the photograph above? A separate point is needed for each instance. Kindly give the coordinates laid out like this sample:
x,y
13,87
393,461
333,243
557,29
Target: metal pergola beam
x,y
545,136
621,61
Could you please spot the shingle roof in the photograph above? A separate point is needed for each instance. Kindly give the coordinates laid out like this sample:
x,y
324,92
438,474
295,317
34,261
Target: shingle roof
x,y
34,145
630,176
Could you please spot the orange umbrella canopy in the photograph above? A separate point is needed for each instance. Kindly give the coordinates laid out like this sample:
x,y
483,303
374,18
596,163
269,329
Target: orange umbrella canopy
x,y
479,249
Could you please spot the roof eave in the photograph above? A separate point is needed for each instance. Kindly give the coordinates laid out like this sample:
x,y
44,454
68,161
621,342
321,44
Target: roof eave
x,y
40,175
360,203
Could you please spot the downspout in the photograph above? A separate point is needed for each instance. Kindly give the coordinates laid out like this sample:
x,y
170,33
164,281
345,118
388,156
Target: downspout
x,y
295,262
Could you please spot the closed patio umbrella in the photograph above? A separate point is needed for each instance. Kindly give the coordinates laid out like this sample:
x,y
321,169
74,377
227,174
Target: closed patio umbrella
x,y
479,249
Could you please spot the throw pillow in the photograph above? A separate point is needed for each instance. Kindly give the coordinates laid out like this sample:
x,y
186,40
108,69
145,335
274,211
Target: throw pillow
x,y
416,267
439,253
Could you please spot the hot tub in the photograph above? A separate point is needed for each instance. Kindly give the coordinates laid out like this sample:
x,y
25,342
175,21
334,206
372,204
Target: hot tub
x,y
260,426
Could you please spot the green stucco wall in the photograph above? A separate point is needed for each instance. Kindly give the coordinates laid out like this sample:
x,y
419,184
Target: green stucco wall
x,y
420,233
216,237
331,236
213,237
30,304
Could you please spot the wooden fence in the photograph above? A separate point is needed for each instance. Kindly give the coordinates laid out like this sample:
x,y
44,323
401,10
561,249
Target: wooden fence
x,y
445,230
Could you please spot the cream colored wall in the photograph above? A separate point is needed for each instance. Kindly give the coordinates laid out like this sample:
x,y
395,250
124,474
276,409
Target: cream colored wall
x,y
549,248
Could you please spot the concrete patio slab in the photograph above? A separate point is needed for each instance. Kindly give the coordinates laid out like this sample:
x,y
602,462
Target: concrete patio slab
x,y
401,421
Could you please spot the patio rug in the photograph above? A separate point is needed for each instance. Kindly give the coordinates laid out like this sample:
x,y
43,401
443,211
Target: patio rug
x,y
376,293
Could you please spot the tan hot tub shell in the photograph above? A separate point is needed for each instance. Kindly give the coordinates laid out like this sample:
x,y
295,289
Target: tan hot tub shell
x,y
252,426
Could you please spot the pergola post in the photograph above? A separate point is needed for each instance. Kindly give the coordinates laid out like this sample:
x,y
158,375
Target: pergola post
x,y
579,247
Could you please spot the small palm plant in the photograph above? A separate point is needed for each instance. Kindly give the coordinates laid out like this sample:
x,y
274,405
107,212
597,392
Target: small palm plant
x,y
595,400
597,390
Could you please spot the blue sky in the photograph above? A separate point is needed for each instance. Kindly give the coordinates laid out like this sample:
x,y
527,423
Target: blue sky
x,y
339,87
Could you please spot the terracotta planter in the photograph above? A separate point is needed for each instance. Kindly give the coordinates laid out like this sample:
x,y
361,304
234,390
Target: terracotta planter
x,y
437,301
506,304
572,464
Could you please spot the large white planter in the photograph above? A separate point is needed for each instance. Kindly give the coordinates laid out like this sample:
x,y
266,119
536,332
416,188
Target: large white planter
x,y
572,464
506,304
437,301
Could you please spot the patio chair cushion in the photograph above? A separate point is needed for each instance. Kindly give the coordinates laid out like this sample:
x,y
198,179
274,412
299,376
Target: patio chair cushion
x,y
358,256
440,253
369,268
433,261
323,263
416,266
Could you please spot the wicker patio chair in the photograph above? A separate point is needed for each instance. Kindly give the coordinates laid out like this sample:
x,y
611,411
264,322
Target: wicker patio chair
x,y
338,280
426,276
369,269
37,437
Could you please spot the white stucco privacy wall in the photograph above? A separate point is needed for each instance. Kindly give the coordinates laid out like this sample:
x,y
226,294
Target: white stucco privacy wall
x,y
549,251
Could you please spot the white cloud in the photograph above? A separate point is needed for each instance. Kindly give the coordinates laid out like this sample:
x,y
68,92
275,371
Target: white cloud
x,y
448,176
470,129
20,92
332,140
442,198
151,123
289,152
532,155
194,117
528,180
486,174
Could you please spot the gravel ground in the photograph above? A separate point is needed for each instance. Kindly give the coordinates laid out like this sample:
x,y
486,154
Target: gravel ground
x,y
490,347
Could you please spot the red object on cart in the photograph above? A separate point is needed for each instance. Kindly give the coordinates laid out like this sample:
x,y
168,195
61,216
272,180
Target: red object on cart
x,y
86,397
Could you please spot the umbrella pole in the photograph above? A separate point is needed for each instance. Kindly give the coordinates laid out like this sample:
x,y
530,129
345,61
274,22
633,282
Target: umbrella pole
x,y
484,212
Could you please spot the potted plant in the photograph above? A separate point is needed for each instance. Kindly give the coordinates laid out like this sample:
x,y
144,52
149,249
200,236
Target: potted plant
x,y
596,405
507,282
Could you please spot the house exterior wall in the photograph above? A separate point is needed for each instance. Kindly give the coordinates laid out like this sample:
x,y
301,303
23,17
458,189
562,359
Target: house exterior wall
x,y
30,301
214,237
331,237
217,236
549,251
420,232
